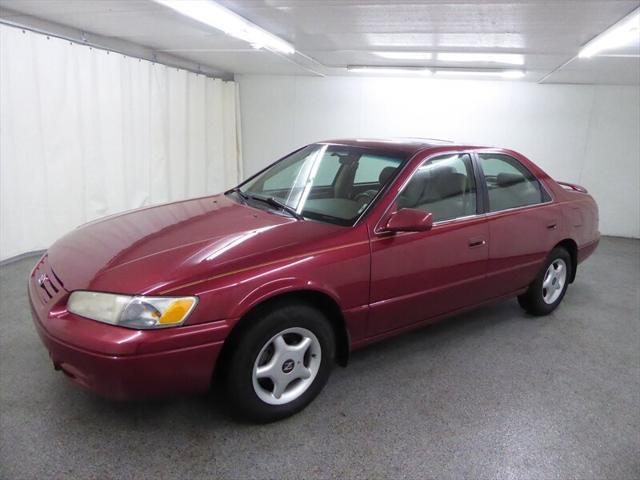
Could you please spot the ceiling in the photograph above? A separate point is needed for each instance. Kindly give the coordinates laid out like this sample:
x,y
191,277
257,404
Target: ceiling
x,y
330,34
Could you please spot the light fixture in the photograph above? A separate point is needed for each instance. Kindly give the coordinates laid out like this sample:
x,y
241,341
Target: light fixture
x,y
513,74
385,69
507,74
405,55
505,58
624,32
214,15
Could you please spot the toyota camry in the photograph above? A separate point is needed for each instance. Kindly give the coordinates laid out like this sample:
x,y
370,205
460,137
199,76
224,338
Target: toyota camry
x,y
262,289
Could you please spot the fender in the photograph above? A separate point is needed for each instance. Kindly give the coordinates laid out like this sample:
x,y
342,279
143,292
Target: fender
x,y
278,287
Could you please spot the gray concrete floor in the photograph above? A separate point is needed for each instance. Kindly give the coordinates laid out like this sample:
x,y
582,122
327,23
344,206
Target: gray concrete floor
x,y
490,394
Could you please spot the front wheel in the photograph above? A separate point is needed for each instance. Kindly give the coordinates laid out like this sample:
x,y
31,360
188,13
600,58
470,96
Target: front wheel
x,y
547,291
280,363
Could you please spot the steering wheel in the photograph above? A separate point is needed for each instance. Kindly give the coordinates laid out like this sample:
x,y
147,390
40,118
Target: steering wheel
x,y
365,197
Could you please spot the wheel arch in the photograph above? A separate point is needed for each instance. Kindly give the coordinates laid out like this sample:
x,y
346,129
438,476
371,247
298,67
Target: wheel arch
x,y
572,247
318,299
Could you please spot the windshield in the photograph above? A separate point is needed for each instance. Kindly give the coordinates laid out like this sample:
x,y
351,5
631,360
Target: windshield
x,y
331,183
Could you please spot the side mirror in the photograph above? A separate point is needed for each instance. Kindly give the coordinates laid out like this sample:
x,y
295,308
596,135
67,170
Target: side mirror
x,y
409,220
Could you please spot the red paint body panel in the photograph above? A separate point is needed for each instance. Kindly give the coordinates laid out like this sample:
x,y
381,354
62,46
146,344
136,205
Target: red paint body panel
x,y
234,257
519,242
121,363
417,275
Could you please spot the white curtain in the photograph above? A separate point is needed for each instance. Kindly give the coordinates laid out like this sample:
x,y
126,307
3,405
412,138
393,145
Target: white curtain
x,y
86,133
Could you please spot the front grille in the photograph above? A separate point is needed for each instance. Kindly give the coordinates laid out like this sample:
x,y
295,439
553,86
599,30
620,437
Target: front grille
x,y
46,280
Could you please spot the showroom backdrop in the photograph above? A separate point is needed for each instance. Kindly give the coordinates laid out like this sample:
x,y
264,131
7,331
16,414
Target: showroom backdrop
x,y
578,133
85,133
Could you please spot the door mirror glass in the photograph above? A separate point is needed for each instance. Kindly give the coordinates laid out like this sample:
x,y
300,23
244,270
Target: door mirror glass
x,y
409,220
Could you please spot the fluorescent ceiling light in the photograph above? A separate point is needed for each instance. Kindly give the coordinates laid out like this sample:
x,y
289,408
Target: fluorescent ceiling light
x,y
405,55
624,32
216,16
506,58
513,74
384,69
508,74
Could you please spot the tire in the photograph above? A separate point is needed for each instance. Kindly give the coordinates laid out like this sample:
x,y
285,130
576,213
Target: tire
x,y
548,289
280,363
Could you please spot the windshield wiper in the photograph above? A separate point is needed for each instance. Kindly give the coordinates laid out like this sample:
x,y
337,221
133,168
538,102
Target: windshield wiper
x,y
274,203
239,192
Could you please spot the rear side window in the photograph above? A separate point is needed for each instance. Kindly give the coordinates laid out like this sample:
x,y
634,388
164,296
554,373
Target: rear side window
x,y
509,183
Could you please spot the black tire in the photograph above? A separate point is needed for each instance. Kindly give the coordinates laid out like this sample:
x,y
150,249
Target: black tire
x,y
265,324
533,299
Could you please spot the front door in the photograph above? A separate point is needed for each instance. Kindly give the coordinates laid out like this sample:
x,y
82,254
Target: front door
x,y
416,276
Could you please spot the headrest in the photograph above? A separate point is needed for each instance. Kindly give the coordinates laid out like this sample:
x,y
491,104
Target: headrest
x,y
441,169
508,179
414,189
386,174
451,184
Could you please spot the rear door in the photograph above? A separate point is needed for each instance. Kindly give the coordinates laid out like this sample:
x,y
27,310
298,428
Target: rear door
x,y
523,222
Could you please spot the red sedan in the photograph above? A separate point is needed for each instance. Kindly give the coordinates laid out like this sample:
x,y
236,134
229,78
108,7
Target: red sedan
x,y
335,246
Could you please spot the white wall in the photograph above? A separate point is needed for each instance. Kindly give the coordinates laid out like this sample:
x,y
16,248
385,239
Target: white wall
x,y
86,133
584,134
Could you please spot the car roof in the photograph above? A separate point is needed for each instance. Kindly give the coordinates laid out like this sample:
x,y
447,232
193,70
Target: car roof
x,y
409,145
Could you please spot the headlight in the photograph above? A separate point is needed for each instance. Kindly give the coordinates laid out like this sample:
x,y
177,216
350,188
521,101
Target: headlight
x,y
132,311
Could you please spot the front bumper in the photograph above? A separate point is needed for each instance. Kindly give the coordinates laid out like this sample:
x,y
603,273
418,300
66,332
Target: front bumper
x,y
121,363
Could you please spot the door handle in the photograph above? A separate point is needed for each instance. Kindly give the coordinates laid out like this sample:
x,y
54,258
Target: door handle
x,y
477,242
552,226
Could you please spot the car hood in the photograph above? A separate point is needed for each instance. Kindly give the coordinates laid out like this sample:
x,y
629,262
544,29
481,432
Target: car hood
x,y
151,249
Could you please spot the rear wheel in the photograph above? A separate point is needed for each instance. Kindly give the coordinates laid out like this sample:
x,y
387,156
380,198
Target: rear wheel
x,y
280,363
548,289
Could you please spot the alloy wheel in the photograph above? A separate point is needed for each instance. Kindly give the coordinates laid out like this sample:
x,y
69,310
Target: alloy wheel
x,y
554,280
286,366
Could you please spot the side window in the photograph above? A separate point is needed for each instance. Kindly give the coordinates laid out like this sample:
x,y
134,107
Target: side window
x,y
370,167
444,186
509,183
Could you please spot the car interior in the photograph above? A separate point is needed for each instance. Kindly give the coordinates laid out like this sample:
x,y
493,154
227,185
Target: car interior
x,y
512,190
441,190
348,181
509,184
349,198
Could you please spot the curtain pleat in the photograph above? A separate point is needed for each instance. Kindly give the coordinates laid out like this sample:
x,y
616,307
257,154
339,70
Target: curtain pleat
x,y
86,133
